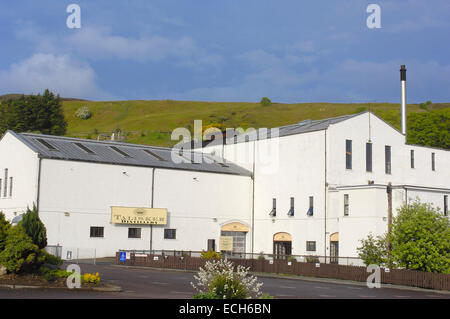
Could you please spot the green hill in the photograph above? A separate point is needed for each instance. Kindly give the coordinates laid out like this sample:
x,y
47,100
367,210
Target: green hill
x,y
150,122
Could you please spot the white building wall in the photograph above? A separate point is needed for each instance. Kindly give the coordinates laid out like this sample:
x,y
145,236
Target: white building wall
x,y
290,166
86,191
23,166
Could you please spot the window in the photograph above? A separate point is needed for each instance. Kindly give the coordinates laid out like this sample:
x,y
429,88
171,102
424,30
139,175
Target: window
x,y
239,241
211,244
387,159
47,144
120,151
348,154
291,210
368,157
273,212
134,233
154,155
170,233
5,186
84,148
445,205
433,162
412,158
310,246
311,206
10,186
346,205
96,231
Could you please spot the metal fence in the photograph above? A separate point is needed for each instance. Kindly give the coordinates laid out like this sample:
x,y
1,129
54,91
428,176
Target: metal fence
x,y
75,255
187,261
348,261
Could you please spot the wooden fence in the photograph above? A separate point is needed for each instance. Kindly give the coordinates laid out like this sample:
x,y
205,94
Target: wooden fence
x,y
355,273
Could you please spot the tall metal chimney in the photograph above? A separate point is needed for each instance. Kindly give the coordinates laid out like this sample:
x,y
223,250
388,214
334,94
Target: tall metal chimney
x,y
403,83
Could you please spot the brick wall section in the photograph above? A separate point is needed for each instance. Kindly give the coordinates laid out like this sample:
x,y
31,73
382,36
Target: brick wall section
x,y
355,273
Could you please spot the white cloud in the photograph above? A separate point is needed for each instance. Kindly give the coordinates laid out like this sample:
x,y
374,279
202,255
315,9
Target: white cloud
x,y
59,73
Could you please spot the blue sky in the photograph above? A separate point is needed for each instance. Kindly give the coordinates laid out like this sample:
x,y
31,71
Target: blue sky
x,y
227,50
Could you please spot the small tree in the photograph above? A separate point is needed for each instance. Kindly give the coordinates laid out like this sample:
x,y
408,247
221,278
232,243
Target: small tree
x,y
420,238
373,250
20,254
4,227
265,101
34,227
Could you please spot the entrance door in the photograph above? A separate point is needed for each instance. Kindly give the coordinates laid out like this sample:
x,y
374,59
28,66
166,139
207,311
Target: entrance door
x,y
334,248
282,249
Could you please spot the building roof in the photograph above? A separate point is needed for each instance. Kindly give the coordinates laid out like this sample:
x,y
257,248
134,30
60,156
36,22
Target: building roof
x,y
110,152
297,128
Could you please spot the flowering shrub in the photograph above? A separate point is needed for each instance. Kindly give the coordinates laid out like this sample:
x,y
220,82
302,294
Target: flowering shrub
x,y
91,278
83,113
218,280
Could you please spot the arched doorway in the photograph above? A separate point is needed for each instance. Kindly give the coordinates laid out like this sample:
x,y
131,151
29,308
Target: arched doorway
x,y
334,248
282,245
238,233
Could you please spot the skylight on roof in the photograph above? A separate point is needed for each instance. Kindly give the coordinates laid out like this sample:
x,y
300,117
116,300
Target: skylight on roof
x,y
119,151
47,144
154,155
84,148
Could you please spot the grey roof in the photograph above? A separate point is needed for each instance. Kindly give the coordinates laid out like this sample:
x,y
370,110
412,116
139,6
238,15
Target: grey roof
x,y
109,152
297,128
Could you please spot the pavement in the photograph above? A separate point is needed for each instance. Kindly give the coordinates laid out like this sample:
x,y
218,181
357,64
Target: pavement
x,y
148,283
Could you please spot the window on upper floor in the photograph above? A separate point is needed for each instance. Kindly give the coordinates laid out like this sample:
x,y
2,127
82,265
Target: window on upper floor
x,y
348,154
387,159
310,211
291,210
433,162
273,212
10,186
346,205
368,157
412,158
445,205
5,185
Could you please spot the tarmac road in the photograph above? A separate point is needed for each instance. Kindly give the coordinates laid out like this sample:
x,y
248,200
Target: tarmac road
x,y
155,284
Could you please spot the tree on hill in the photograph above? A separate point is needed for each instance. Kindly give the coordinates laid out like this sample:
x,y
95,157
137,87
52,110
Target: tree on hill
x,y
430,128
33,113
265,101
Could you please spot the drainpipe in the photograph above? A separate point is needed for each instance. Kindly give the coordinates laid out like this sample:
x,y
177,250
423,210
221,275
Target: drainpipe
x,y
153,192
38,185
389,195
325,201
253,200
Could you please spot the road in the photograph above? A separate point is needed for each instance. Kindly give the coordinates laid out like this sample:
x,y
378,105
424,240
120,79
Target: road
x,y
154,284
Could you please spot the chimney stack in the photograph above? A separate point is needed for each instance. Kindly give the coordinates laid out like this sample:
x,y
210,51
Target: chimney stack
x,y
403,84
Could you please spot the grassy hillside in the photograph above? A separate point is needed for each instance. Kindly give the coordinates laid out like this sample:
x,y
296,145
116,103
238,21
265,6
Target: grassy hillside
x,y
150,122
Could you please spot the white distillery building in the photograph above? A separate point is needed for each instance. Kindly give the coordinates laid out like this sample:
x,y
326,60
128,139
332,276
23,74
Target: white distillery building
x,y
331,182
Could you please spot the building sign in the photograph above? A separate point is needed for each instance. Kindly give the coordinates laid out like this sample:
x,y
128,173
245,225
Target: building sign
x,y
226,243
138,215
